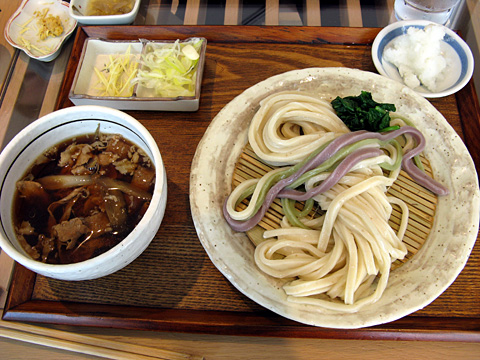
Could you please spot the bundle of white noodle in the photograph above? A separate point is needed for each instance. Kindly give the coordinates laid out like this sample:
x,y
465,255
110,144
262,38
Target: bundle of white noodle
x,y
341,260
274,132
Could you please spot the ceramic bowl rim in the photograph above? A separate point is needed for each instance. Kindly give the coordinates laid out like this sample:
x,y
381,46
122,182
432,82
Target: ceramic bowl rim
x,y
462,81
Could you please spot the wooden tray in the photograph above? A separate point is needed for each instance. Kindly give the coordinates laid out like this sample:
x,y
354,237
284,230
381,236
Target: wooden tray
x,y
173,286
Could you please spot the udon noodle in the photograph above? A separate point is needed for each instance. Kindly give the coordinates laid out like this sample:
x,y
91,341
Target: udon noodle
x,y
341,259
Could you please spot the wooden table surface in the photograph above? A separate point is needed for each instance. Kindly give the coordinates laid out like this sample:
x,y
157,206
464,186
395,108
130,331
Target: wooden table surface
x,y
219,346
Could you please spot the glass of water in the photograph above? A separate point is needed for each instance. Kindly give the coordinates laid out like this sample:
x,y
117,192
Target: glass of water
x,y
438,11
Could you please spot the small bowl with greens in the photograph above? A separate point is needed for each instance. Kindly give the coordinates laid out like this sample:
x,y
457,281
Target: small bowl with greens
x,y
140,75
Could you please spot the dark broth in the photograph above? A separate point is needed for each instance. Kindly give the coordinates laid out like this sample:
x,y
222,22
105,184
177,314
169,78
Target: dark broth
x,y
82,197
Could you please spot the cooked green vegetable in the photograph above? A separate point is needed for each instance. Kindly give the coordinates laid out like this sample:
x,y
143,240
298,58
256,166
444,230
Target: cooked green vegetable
x,y
363,113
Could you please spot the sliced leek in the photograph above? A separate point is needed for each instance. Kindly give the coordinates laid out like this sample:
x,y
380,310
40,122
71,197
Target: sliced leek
x,y
169,70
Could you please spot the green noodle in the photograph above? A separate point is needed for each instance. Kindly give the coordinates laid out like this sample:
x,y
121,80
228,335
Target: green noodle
x,y
398,159
288,206
331,163
416,159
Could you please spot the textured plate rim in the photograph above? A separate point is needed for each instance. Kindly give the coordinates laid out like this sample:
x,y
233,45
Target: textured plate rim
x,y
206,200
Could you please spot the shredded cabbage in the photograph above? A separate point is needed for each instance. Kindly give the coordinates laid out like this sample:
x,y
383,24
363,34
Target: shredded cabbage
x,y
170,69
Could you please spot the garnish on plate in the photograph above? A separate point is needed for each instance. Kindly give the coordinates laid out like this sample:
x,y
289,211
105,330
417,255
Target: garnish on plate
x,y
48,24
363,113
169,70
115,77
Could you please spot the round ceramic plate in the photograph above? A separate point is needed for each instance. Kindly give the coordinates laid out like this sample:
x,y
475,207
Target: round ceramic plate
x,y
411,286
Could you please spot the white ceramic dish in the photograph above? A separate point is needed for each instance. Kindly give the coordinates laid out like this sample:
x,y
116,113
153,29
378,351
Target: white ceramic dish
x,y
457,52
78,10
444,253
94,54
50,130
24,36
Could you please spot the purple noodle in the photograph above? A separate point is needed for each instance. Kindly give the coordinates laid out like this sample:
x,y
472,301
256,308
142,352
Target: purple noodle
x,y
278,190
339,172
275,190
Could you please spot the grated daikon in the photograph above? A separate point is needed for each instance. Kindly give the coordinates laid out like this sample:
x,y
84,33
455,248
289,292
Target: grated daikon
x,y
418,57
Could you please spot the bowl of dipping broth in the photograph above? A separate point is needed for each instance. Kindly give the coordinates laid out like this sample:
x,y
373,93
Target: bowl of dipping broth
x,y
429,58
83,193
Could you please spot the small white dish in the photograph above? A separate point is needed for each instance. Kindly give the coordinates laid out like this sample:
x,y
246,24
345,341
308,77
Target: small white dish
x,y
457,53
21,30
96,52
78,11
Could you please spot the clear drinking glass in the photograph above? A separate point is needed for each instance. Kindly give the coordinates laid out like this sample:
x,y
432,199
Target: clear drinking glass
x,y
438,11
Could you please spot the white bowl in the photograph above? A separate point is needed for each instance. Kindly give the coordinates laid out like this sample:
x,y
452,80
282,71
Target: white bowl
x,y
459,55
50,130
18,27
79,7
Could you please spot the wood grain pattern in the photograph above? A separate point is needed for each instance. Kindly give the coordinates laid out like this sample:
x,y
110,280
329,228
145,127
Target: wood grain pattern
x,y
173,285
